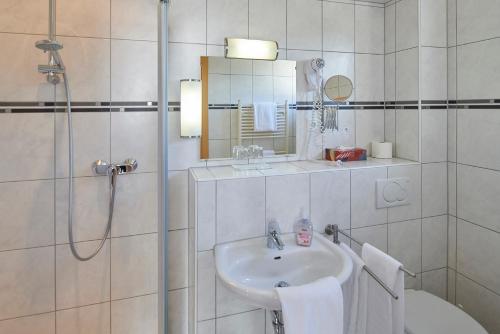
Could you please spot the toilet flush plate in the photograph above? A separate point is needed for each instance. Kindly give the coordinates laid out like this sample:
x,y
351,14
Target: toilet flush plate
x,y
393,192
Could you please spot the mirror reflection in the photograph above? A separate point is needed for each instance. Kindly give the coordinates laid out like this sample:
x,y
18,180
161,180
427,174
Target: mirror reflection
x,y
248,103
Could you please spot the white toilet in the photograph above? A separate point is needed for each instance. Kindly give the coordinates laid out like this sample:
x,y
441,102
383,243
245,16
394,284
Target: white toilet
x,y
428,314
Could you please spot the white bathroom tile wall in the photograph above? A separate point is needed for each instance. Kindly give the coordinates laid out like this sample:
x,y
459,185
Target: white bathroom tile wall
x,y
363,187
390,128
29,274
433,23
135,315
82,283
183,152
374,235
405,243
369,128
478,192
477,20
73,18
452,135
304,29
22,228
244,323
24,16
229,303
407,134
226,18
413,210
407,75
452,22
407,25
267,21
452,242
481,303
477,248
433,67
339,63
434,245
206,298
390,77
134,19
178,306
287,199
434,135
178,259
87,319
42,324
338,26
206,214
369,29
390,28
436,282
184,63
434,189
452,286
452,73
369,76
177,191
330,199
187,22
452,189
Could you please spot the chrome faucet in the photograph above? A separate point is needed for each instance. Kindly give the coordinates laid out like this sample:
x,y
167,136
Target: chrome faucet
x,y
273,236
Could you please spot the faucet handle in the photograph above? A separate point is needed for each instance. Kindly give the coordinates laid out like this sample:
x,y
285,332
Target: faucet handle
x,y
273,226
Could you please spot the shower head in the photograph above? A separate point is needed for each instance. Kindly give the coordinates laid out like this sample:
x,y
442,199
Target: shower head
x,y
48,45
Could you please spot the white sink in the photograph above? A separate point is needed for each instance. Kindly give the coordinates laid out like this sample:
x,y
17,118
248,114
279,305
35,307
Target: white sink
x,y
251,270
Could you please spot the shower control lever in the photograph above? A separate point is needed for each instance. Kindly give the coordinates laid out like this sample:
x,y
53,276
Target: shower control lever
x,y
102,167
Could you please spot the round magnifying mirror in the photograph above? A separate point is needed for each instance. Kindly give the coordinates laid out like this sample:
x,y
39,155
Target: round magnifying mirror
x,y
338,88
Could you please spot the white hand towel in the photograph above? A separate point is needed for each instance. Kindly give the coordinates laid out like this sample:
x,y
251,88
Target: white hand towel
x,y
384,314
355,295
315,308
264,117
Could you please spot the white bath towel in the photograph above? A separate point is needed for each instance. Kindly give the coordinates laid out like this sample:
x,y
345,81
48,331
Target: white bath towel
x,y
315,308
355,295
384,313
264,117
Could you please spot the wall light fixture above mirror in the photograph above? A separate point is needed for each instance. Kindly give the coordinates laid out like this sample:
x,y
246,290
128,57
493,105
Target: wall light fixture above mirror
x,y
240,48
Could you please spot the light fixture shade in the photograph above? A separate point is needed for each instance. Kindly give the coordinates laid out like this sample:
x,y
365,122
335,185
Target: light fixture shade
x,y
191,106
251,49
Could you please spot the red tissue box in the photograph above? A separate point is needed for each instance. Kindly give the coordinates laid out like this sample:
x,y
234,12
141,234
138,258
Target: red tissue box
x,y
345,154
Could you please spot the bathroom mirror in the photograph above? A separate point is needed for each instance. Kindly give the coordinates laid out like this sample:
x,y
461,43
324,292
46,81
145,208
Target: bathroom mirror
x,y
338,88
247,102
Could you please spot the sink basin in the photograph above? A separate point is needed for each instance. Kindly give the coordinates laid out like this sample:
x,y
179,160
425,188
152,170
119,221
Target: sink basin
x,y
251,270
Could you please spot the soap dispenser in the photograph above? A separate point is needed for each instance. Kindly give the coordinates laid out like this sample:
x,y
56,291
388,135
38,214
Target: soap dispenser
x,y
303,229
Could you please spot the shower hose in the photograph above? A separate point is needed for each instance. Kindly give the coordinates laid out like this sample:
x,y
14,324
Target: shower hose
x,y
113,174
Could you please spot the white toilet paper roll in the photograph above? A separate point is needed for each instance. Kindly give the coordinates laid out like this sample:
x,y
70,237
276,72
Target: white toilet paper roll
x,y
382,150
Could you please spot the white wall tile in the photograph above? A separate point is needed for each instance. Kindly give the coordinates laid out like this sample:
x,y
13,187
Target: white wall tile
x,y
26,140
390,28
374,235
452,73
226,18
346,134
40,324
338,63
434,135
406,24
433,73
184,63
27,214
178,311
477,250
219,123
90,208
363,191
369,29
206,286
82,283
482,304
263,88
478,195
240,209
451,298
452,242
338,27
134,266
477,130
452,135
476,64
72,18
304,24
135,135
178,200
413,210
244,323
134,70
183,152
134,19
405,244
407,134
369,128
435,282
136,207
287,199
330,199
88,146
28,276
452,22
187,22
369,80
24,16
407,77
228,303
452,189
135,315
434,243
434,189
390,128
390,77
178,259
477,20
219,88
268,21
241,89
87,319
206,327
433,22
20,80
206,206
